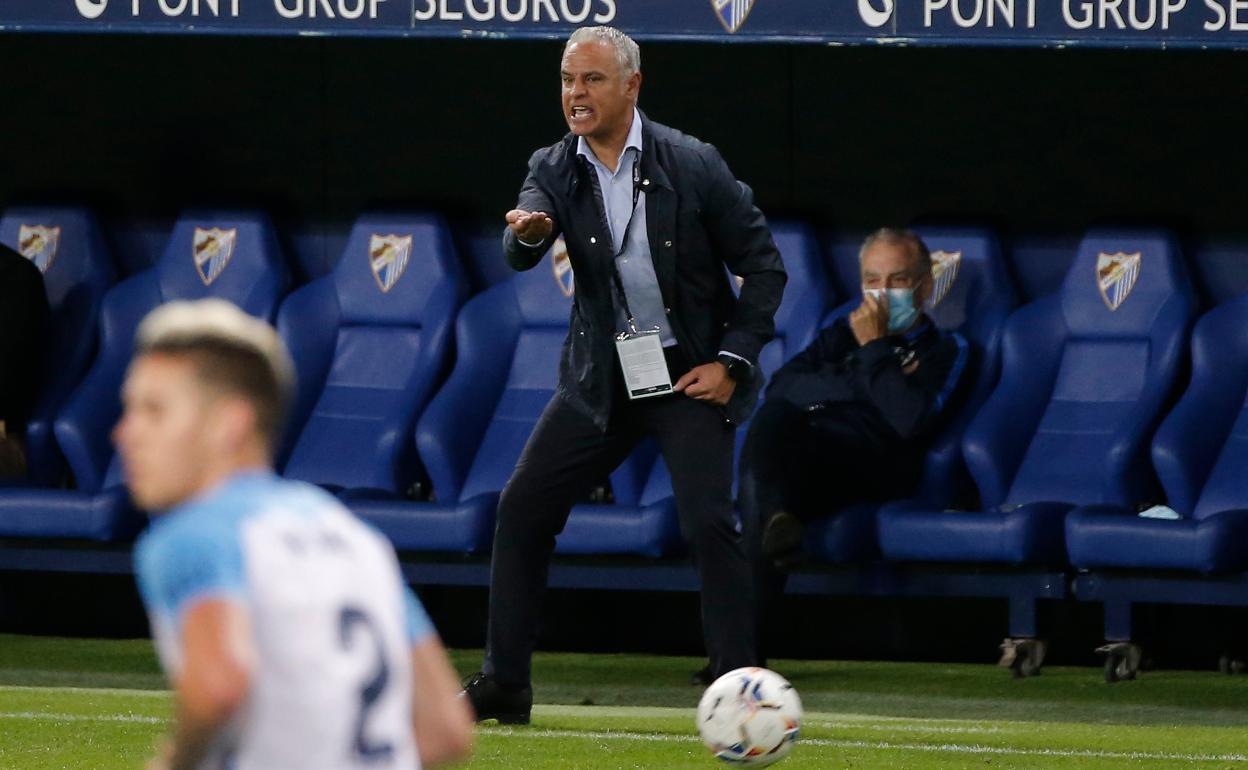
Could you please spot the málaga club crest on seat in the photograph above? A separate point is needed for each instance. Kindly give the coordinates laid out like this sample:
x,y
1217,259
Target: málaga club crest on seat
x,y
944,273
388,256
562,267
212,248
38,243
732,13
1116,275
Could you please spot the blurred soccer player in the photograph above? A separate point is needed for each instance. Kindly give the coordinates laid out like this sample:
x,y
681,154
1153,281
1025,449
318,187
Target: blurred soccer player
x,y
281,620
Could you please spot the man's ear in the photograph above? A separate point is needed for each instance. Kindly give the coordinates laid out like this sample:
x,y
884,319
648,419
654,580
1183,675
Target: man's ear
x,y
632,86
235,421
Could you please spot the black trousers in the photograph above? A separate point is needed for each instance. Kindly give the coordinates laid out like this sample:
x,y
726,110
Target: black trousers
x,y
809,463
566,455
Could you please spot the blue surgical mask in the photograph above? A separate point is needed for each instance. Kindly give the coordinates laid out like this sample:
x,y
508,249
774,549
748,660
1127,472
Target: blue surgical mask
x,y
901,310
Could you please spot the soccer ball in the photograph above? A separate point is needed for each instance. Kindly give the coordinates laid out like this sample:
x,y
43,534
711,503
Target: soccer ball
x,y
750,717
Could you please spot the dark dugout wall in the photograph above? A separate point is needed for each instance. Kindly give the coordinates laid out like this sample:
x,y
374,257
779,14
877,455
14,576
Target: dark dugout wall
x,y
1039,142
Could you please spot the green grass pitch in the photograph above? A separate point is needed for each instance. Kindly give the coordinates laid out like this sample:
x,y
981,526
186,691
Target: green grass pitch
x,y
101,705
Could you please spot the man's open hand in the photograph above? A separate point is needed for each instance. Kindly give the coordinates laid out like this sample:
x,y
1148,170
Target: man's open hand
x,y
530,226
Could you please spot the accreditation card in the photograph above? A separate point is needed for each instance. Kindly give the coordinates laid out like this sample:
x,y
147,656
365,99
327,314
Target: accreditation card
x,y
643,363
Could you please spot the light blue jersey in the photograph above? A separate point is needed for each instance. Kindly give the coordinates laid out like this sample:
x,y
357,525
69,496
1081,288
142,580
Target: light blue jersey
x,y
332,622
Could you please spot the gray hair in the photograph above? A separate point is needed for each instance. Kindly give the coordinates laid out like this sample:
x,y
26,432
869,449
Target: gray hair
x,y
233,352
627,54
903,236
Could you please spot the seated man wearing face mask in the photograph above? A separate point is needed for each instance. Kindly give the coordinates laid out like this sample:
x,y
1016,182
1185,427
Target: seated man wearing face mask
x,y
847,419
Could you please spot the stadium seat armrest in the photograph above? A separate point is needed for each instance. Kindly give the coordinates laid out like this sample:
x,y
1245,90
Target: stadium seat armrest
x,y
84,424
366,493
1227,547
450,431
998,436
439,330
908,505
1103,509
307,322
1189,440
806,293
1129,478
944,480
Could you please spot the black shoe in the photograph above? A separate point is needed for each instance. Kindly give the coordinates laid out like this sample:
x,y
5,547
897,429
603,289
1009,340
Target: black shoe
x,y
509,704
701,677
782,539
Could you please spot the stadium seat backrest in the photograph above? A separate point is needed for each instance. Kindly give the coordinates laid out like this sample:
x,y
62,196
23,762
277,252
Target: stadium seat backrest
x,y
372,338
67,245
232,255
972,295
543,301
1201,449
840,251
481,252
221,253
1085,374
453,429
805,294
971,291
508,343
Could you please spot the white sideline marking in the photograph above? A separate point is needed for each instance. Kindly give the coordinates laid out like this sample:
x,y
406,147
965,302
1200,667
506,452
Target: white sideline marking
x,y
903,728
951,748
86,690
42,717
609,712
682,711
830,721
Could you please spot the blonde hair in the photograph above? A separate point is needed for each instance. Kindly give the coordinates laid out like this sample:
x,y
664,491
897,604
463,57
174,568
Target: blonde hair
x,y
233,353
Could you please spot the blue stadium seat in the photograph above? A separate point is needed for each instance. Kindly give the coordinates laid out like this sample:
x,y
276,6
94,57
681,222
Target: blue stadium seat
x,y
1085,375
840,254
1200,452
481,252
797,324
805,295
972,295
228,254
370,342
508,340
67,245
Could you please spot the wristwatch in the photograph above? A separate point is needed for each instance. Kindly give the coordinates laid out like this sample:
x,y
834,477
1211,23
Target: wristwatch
x,y
738,368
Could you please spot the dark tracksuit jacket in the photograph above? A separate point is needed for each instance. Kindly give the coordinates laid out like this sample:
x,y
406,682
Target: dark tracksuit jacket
x,y
845,422
24,321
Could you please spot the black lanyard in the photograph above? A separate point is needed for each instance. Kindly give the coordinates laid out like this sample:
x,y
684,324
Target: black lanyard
x,y
628,228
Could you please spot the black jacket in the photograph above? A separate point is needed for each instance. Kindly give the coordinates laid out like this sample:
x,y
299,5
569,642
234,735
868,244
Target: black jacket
x,y
24,321
890,391
699,219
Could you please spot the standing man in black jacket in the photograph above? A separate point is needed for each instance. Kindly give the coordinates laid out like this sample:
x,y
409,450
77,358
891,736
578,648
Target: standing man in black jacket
x,y
657,346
